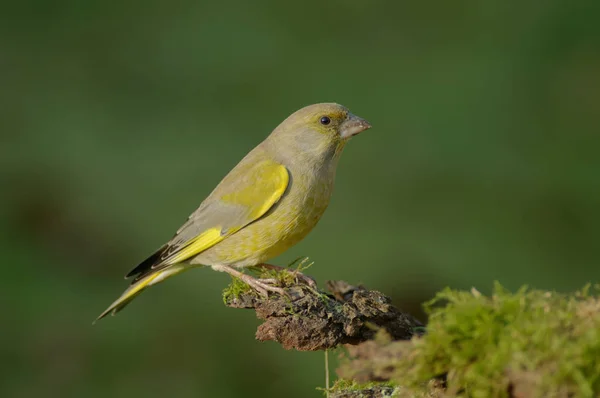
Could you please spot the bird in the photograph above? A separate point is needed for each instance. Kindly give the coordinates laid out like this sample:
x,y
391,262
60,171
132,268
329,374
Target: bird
x,y
266,204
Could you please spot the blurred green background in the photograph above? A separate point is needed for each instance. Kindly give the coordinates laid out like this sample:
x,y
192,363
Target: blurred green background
x,y
118,119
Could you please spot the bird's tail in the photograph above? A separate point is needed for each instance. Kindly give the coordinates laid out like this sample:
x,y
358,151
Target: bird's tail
x,y
139,285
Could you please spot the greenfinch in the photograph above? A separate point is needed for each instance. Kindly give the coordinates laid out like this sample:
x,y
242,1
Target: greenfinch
x,y
269,202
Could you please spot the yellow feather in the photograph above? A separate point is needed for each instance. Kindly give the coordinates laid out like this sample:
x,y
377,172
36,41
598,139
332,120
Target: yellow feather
x,y
197,245
269,182
128,295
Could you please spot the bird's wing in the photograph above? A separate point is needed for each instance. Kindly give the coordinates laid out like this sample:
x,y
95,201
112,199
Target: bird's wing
x,y
244,195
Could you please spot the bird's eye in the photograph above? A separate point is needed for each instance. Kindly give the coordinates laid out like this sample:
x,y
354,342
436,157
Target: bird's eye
x,y
325,120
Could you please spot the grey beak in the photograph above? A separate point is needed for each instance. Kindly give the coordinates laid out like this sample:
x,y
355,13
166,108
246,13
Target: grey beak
x,y
353,125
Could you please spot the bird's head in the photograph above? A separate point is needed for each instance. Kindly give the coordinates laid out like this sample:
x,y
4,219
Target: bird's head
x,y
319,130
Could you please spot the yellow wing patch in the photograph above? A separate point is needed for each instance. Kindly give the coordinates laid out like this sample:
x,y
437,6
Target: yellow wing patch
x,y
266,184
196,245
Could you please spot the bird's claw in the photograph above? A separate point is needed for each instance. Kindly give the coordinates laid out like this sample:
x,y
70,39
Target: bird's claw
x,y
298,276
268,281
264,286
305,278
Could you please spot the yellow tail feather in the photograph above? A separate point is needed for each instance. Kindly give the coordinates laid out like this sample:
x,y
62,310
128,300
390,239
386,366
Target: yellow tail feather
x,y
139,286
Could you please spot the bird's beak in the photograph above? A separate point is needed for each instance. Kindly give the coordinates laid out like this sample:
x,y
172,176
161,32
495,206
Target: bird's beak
x,y
353,125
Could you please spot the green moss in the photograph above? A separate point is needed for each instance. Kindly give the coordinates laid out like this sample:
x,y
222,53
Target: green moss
x,y
285,277
346,388
351,389
235,289
345,385
534,342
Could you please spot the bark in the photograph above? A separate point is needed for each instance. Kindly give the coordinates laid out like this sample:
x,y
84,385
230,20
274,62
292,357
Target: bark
x,y
310,320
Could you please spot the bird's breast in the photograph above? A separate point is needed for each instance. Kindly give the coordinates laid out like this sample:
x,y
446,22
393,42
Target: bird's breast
x,y
297,213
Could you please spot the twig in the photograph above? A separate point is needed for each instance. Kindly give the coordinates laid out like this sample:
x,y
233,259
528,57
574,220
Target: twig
x,y
327,372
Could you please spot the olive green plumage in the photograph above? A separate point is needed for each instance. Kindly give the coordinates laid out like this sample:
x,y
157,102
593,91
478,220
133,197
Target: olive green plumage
x,y
270,201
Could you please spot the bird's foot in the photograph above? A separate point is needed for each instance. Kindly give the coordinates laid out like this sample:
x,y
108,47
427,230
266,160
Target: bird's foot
x,y
299,276
268,281
262,286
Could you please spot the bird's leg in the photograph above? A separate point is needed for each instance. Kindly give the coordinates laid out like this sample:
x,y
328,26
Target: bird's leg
x,y
299,275
261,286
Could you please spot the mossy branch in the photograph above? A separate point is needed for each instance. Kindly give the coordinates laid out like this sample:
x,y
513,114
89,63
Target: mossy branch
x,y
310,320
530,343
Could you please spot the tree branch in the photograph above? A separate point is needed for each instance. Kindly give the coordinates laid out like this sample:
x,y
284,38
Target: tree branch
x,y
310,320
